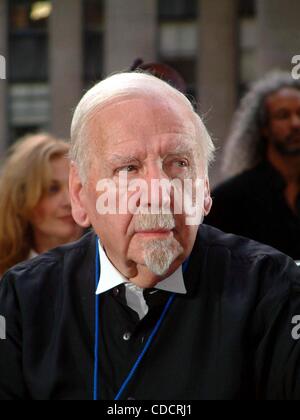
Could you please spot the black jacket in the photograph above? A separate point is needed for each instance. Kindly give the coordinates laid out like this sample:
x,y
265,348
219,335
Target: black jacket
x,y
253,205
229,338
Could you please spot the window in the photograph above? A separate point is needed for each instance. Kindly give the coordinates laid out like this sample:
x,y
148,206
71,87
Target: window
x,y
28,40
93,40
248,43
28,58
177,9
178,37
29,108
247,8
29,14
29,98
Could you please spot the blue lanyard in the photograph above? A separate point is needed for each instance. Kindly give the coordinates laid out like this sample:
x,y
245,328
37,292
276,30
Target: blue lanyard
x,y
97,334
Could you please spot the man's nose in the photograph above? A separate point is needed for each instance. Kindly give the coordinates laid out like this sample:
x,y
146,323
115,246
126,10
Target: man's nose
x,y
155,178
155,171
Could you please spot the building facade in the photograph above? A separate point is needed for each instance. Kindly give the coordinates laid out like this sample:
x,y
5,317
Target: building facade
x,y
56,49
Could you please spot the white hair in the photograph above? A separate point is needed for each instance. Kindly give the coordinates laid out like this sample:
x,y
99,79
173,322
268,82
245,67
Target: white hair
x,y
120,86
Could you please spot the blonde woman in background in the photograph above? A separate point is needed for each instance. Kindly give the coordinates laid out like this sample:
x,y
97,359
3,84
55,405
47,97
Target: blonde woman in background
x,y
35,210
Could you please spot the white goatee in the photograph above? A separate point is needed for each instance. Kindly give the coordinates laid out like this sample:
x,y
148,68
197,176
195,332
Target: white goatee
x,y
160,255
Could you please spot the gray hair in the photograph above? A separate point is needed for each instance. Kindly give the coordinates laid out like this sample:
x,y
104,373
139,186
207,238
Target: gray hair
x,y
244,148
120,86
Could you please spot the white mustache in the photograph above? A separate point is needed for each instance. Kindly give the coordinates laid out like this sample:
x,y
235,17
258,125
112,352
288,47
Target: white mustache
x,y
146,222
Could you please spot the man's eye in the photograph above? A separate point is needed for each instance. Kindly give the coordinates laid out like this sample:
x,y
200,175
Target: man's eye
x,y
128,169
182,163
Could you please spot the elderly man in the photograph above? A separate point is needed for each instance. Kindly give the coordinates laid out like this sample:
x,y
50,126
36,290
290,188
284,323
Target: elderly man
x,y
150,305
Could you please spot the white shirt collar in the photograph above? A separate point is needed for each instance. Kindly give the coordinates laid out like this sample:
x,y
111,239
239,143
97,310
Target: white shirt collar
x,y
110,278
32,254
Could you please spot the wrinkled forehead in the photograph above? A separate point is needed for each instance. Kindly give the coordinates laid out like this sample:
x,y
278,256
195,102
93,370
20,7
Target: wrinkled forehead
x,y
141,119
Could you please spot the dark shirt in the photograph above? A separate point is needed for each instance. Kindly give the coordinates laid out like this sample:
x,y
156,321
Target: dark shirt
x,y
253,205
228,338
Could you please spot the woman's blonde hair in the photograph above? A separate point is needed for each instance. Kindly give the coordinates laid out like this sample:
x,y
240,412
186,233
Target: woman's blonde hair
x,y
24,179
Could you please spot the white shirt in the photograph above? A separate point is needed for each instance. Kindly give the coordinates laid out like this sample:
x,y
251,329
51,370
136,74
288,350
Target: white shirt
x,y
110,278
32,254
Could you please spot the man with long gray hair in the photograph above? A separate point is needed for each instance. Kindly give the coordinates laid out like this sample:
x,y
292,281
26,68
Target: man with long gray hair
x,y
151,304
261,200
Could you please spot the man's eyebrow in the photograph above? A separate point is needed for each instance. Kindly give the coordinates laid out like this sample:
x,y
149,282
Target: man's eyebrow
x,y
117,159
181,149
176,149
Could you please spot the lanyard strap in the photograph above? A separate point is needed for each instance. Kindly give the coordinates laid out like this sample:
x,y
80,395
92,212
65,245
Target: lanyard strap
x,y
97,334
97,329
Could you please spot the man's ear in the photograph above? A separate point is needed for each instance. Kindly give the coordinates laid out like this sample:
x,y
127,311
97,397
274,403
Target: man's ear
x,y
207,198
76,195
